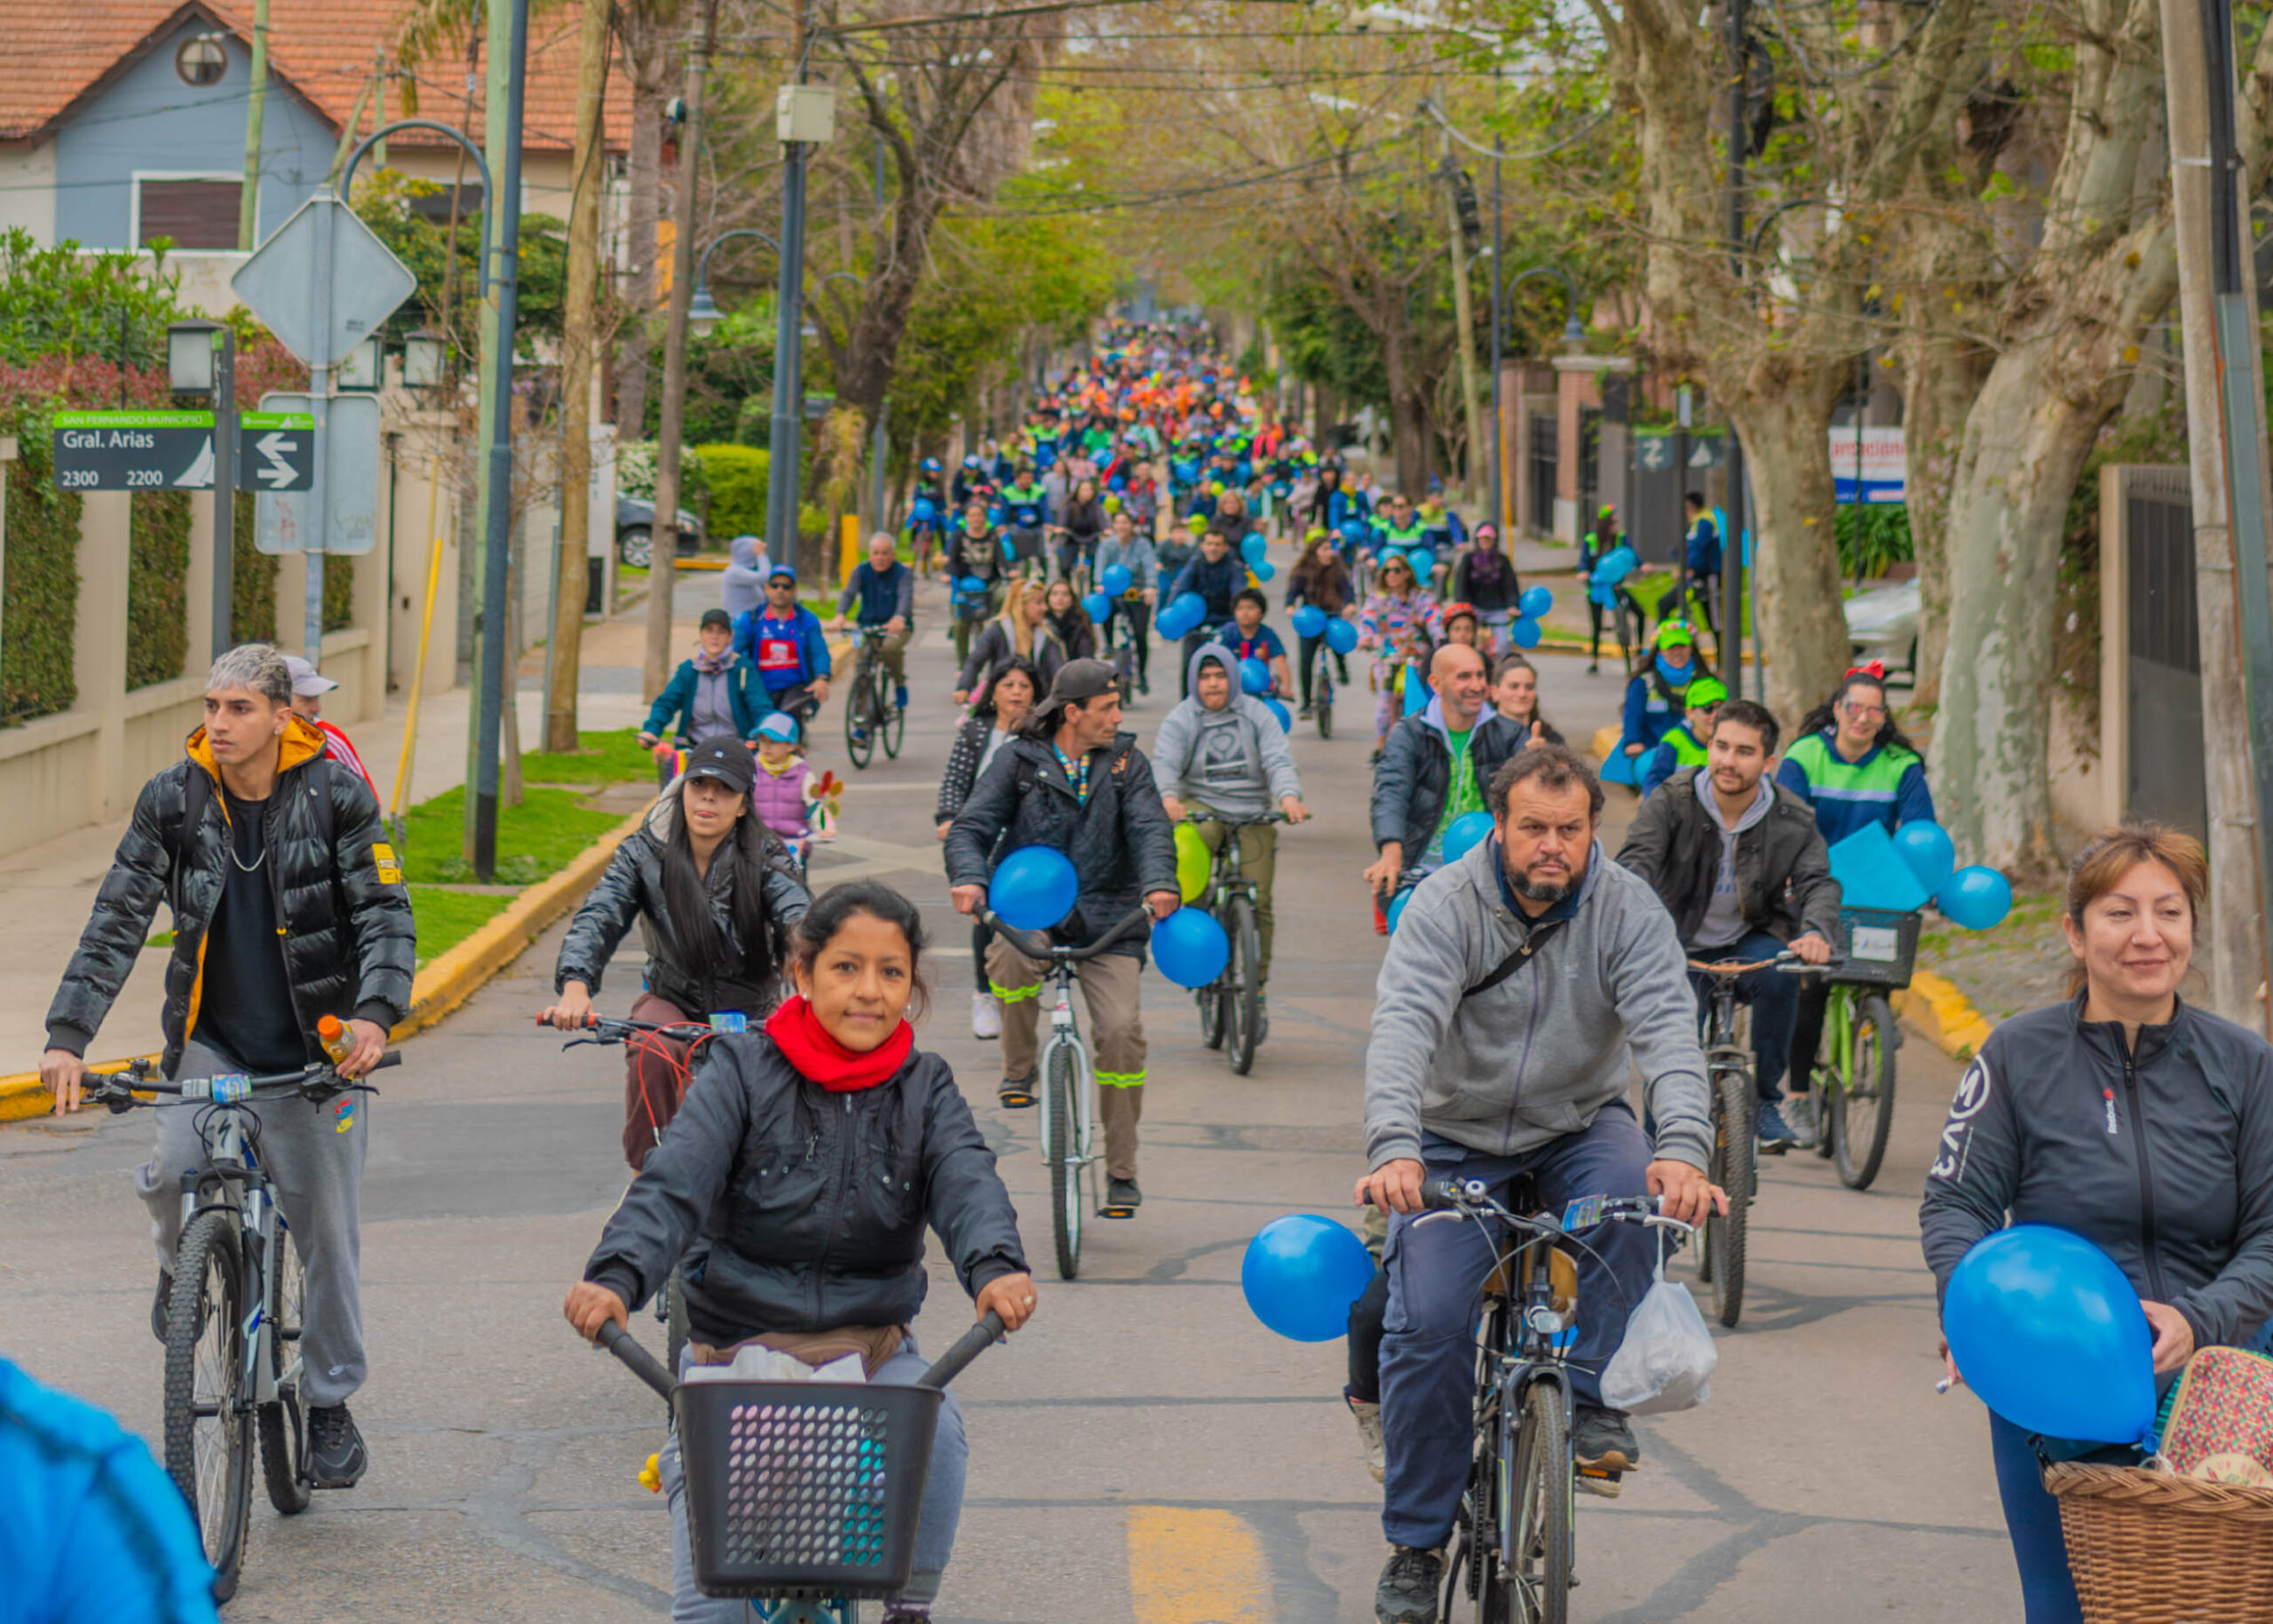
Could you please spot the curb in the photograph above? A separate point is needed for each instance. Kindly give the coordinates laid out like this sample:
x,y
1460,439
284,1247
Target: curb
x,y
1944,1015
451,978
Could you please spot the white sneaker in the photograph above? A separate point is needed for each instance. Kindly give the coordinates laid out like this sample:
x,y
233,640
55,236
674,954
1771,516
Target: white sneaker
x,y
1368,1417
985,1016
1800,1116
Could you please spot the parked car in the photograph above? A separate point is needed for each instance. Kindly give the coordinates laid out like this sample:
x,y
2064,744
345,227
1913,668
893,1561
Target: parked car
x,y
1882,624
635,522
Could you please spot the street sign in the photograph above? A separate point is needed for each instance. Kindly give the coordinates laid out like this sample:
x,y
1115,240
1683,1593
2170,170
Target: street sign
x,y
276,451
324,282
285,520
133,450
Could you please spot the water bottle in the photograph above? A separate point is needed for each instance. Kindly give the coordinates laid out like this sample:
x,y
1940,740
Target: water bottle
x,y
332,1033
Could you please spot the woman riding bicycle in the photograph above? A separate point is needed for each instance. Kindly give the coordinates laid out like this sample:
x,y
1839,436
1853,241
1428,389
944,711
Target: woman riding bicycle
x,y
1020,632
1080,522
803,1174
1069,622
1855,767
1515,695
712,693
1320,579
716,895
994,722
1384,625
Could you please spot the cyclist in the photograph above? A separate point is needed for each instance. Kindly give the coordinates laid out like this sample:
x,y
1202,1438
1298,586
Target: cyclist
x,y
287,906
1484,576
1069,621
713,892
1744,872
710,694
885,590
1131,548
1025,514
1248,638
1395,524
1855,767
927,513
975,552
810,1253
993,723
1020,632
1653,700
1073,780
1384,624
1515,695
1434,770
1080,520
1322,579
1482,1066
1683,745
309,686
783,640
1224,751
1701,561
1217,575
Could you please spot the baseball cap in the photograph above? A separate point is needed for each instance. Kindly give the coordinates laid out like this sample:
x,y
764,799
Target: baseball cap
x,y
779,726
1077,681
779,572
1704,691
1674,634
725,757
717,617
305,679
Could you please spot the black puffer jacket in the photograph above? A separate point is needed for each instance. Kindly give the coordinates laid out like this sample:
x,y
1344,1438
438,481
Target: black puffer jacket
x,y
632,888
350,947
1119,841
811,1206
1784,883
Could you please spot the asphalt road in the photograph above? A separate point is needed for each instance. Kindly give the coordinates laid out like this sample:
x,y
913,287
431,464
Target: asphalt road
x,y
1145,1453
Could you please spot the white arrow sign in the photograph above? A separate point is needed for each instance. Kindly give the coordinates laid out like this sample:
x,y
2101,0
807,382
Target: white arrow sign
x,y
279,473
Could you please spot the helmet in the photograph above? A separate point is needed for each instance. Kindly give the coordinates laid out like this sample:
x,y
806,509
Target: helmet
x,y
971,460
931,464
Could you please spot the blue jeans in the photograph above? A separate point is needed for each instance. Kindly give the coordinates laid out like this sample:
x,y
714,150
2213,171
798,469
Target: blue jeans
x,y
1436,1272
935,1526
1774,995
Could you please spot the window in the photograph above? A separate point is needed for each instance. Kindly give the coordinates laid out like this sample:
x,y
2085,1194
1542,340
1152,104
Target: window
x,y
200,60
194,213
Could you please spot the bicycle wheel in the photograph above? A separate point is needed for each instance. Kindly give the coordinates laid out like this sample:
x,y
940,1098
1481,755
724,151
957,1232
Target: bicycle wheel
x,y
284,1423
893,725
1538,1583
1058,1149
1245,974
1733,1170
859,730
1322,692
1861,1107
209,1426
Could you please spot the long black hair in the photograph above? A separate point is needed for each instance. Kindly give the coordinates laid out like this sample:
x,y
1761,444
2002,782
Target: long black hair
x,y
985,709
1824,717
827,917
748,850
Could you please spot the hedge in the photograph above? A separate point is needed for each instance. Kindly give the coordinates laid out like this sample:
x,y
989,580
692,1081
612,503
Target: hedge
x,y
338,592
157,588
738,481
41,592
252,593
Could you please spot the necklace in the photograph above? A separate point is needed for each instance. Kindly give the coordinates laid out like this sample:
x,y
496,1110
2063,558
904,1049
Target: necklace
x,y
243,866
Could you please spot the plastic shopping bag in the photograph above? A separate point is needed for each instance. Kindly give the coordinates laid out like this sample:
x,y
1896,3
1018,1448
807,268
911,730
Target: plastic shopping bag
x,y
1665,1362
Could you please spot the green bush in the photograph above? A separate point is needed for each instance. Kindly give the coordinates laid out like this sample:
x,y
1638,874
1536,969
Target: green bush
x,y
338,592
41,606
635,473
252,591
1872,536
157,587
738,486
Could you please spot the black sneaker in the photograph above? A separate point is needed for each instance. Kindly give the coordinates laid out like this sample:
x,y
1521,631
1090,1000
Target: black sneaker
x,y
1407,1591
336,1459
1016,1093
159,1304
1602,1450
1121,1198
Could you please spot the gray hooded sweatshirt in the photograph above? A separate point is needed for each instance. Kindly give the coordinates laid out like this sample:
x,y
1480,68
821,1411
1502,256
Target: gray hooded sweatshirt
x,y
1533,1059
1233,761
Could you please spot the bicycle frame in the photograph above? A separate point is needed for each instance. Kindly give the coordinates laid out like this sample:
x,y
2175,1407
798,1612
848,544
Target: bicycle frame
x,y
1064,1033
232,1180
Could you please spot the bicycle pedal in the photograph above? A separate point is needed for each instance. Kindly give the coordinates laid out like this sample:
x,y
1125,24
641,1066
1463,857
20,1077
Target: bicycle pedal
x,y
1598,1483
1116,1212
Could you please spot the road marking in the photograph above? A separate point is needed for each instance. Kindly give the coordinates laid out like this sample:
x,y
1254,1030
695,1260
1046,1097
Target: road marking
x,y
1196,1567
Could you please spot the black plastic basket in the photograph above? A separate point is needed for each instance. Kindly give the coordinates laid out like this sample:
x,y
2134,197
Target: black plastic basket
x,y
1878,944
805,1489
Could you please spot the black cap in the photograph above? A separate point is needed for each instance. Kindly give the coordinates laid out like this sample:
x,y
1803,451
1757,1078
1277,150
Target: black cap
x,y
1076,682
725,757
717,617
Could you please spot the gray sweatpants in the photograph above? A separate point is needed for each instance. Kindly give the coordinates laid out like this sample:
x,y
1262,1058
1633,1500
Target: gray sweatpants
x,y
314,1156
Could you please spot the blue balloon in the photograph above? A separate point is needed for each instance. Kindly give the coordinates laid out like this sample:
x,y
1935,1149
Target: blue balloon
x,y
1535,602
1191,608
1467,831
1174,622
1098,606
1114,580
1285,716
1976,898
2047,1331
1927,848
1033,888
1423,563
1254,546
1263,568
922,512
1397,909
1523,633
1303,1273
1340,636
972,584
1310,620
1191,947
1254,676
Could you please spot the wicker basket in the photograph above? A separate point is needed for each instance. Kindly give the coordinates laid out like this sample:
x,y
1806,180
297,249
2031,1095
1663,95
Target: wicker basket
x,y
2147,1548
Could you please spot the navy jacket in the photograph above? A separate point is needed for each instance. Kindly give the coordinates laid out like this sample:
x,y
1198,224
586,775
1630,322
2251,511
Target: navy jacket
x,y
673,711
1217,583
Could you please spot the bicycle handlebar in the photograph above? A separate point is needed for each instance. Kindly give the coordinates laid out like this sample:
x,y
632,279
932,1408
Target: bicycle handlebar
x,y
950,1364
1037,945
1788,962
319,1082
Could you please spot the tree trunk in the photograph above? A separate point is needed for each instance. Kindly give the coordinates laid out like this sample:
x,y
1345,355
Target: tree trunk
x,y
647,41
579,346
1802,634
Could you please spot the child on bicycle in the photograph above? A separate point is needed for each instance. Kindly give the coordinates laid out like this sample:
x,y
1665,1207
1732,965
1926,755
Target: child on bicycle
x,y
778,793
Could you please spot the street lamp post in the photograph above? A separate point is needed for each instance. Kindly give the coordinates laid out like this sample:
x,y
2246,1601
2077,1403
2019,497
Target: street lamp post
x,y
1574,333
702,313
805,116
201,361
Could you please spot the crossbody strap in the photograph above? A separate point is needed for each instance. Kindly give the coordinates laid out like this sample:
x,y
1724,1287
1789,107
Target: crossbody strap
x,y
1537,938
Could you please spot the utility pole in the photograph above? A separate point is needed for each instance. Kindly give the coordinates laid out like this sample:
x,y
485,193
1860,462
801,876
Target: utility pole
x,y
789,314
662,560
256,107
582,336
1464,315
1499,514
882,445
2233,598
1734,565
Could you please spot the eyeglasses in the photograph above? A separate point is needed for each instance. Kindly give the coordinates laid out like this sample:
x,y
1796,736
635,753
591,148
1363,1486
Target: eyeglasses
x,y
1868,713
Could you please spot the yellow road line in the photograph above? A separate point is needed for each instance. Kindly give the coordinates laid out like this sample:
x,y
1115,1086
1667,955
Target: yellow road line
x,y
1196,1567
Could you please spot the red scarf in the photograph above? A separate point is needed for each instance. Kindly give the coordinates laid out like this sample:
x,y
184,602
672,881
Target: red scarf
x,y
819,1057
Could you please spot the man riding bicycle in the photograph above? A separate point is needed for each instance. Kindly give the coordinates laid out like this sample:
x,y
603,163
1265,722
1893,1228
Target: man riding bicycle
x,y
1073,781
1434,769
885,590
783,640
1226,752
1741,867
287,906
1483,1065
1217,573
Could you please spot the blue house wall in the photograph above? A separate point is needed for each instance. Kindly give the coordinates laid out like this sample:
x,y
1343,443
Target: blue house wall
x,y
148,121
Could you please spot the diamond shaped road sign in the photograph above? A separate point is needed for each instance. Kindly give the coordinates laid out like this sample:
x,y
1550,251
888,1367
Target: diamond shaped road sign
x,y
321,319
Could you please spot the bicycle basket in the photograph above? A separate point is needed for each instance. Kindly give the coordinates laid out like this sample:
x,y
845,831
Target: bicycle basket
x,y
1879,945
805,1489
2147,1548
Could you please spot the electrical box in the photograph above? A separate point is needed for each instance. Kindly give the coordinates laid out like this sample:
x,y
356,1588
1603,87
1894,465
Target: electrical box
x,y
806,112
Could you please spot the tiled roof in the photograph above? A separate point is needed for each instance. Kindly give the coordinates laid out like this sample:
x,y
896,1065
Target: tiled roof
x,y
322,48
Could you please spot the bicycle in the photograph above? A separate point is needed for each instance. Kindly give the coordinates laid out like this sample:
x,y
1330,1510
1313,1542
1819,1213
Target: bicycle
x,y
1230,1006
1734,1166
1322,687
872,711
1512,1550
1860,1036
234,1319
1068,1086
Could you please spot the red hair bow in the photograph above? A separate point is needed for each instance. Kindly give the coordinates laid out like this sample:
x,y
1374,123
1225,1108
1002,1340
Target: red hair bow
x,y
1874,668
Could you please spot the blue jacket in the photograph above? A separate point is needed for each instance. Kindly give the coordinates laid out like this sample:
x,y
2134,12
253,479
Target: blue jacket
x,y
784,652
880,596
673,711
1704,547
1652,706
